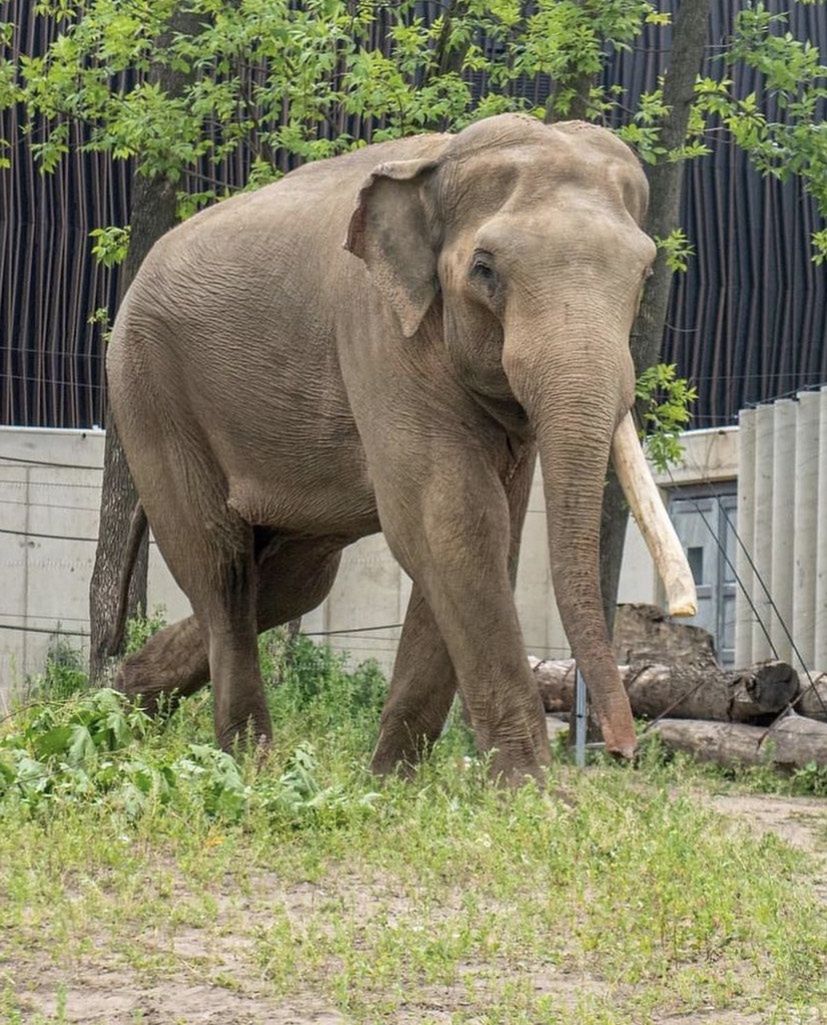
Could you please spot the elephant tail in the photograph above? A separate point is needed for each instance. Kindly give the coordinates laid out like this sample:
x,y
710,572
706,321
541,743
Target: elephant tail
x,y
137,529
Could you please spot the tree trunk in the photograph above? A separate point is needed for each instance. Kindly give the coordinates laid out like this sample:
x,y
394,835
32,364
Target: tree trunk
x,y
152,214
792,744
665,187
752,695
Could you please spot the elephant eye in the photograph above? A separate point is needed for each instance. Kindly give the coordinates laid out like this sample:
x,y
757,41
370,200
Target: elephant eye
x,y
482,270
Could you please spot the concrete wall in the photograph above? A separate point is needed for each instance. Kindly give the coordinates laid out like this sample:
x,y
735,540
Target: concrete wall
x,y
782,499
50,485
50,492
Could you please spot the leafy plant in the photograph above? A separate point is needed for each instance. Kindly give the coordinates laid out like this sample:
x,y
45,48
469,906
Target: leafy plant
x,y
665,400
63,674
109,245
677,249
140,628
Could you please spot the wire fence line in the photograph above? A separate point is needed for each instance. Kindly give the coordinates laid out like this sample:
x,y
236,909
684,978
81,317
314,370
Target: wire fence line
x,y
28,461
47,537
359,632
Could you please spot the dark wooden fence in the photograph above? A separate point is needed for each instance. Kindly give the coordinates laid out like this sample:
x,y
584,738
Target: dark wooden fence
x,y
747,322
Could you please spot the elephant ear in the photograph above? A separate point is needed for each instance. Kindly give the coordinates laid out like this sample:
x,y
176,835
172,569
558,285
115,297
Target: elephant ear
x,y
389,231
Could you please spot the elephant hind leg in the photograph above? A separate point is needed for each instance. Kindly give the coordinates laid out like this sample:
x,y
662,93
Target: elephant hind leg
x,y
422,690
172,664
291,579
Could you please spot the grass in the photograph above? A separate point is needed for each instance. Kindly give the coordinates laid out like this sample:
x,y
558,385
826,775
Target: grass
x,y
137,850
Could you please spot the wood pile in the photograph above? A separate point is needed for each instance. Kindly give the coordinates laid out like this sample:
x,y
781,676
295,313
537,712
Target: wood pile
x,y
763,714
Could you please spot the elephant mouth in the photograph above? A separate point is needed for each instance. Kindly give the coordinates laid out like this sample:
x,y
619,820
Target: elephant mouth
x,y
653,520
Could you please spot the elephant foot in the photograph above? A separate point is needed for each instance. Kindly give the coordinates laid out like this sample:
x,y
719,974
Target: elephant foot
x,y
511,773
150,696
405,739
399,751
252,732
171,665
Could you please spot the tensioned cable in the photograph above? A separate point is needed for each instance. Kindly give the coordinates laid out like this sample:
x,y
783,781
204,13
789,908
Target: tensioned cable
x,y
770,601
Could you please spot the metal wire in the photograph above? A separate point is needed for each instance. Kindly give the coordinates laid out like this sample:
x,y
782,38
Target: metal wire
x,y
28,461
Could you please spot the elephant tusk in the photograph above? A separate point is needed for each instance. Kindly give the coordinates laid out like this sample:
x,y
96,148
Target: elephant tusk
x,y
653,520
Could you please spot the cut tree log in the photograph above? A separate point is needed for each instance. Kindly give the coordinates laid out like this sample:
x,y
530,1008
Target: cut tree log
x,y
792,743
683,692
813,701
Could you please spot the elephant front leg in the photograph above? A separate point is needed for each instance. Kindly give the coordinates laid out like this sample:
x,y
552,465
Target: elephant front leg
x,y
453,537
424,682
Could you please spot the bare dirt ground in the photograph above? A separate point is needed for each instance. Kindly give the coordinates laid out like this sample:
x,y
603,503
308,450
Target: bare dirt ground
x,y
216,980
800,821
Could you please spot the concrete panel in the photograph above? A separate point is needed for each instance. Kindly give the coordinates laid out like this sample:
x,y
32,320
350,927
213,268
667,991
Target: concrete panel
x,y
709,456
762,532
50,487
820,640
805,528
13,570
783,495
639,581
744,616
366,593
61,498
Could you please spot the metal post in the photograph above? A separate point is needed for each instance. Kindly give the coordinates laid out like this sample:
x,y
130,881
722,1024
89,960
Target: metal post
x,y
581,718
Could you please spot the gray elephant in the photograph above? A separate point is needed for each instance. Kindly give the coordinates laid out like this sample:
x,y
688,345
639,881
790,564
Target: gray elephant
x,y
383,341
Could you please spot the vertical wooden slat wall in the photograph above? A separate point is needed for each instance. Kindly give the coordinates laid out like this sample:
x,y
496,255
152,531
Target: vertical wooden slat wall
x,y
747,322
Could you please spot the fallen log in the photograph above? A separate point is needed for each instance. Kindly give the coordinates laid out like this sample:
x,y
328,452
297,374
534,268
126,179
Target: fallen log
x,y
813,700
792,743
706,691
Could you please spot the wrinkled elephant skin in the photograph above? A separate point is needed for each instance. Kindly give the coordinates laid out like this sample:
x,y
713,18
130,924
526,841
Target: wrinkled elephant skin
x,y
384,341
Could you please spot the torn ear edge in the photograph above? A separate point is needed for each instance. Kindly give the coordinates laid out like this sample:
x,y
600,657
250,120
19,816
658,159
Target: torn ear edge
x,y
389,231
396,170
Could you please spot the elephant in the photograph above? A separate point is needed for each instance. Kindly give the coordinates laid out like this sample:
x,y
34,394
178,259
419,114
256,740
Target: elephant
x,y
385,340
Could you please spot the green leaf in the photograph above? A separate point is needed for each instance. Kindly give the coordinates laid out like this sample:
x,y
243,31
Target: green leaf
x,y
54,741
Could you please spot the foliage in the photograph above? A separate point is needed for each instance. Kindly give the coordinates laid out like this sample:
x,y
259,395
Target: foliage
x,y
140,628
792,85
289,83
678,250
110,245
283,79
665,400
64,673
94,747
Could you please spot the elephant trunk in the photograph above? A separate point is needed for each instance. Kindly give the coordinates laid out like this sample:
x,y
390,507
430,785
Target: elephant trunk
x,y
574,405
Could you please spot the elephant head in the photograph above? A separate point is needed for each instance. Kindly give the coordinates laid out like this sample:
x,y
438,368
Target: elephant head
x,y
529,238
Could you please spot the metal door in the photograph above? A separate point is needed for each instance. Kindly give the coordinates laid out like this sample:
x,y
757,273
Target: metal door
x,y
704,521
